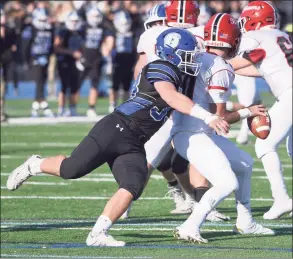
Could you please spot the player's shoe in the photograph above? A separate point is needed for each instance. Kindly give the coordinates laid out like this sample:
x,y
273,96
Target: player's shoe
x,y
34,113
125,215
21,173
103,239
48,113
91,113
176,193
278,209
216,216
191,236
254,229
185,208
111,108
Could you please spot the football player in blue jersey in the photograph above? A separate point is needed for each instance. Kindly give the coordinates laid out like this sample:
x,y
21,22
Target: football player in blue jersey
x,y
118,139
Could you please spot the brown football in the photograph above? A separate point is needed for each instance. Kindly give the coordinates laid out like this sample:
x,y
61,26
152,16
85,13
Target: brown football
x,y
260,126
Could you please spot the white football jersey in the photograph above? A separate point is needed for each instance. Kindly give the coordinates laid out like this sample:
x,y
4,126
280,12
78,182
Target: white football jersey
x,y
271,52
148,39
213,85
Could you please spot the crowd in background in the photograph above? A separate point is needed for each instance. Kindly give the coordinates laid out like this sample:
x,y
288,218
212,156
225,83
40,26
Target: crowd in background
x,y
113,55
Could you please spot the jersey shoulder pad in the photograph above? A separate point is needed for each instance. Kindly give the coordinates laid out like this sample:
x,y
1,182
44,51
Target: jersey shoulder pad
x,y
161,70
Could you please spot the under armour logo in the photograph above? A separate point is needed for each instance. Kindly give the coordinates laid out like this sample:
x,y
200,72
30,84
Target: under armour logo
x,y
118,126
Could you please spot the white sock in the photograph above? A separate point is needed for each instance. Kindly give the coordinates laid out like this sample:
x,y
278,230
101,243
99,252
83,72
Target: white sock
x,y
273,168
201,209
242,197
103,223
244,128
35,167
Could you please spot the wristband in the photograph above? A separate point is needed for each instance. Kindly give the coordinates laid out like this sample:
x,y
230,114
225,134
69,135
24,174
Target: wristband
x,y
244,113
200,113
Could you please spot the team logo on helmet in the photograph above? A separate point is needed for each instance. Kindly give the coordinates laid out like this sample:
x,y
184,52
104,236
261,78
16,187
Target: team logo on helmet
x,y
172,40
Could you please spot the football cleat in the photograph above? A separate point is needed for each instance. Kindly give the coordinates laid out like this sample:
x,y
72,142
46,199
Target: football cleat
x,y
111,108
191,236
216,216
48,113
185,208
103,239
278,209
91,113
254,229
242,138
21,173
176,193
290,214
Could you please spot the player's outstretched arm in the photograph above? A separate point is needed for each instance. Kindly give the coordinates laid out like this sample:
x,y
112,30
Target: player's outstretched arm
x,y
185,105
250,71
233,117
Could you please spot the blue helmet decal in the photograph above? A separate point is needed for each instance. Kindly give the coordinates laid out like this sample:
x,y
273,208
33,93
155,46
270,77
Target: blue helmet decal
x,y
177,46
156,14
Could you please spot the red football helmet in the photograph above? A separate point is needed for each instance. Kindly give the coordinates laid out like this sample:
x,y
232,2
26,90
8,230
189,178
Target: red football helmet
x,y
258,14
222,31
182,14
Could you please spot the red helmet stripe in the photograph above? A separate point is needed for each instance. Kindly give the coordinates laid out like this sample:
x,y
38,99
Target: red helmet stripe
x,y
215,27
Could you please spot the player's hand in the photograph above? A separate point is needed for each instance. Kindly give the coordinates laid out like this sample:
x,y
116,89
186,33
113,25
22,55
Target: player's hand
x,y
256,110
77,54
220,125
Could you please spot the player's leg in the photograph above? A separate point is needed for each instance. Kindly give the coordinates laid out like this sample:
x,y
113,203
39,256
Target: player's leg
x,y
197,149
114,90
241,163
74,81
94,76
39,91
130,172
64,80
88,155
247,95
266,150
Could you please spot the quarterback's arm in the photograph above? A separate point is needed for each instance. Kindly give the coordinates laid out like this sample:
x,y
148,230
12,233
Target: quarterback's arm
x,y
185,105
250,71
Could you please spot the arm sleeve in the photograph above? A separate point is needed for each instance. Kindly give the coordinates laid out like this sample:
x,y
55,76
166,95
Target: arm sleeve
x,y
220,86
156,72
251,50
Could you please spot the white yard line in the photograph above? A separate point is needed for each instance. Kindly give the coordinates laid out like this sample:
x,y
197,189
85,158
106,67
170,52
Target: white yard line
x,y
103,198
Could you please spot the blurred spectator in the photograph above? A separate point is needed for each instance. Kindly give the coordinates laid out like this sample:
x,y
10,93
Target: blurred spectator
x,y
15,12
288,29
7,47
96,36
38,52
217,6
205,13
235,9
68,45
124,57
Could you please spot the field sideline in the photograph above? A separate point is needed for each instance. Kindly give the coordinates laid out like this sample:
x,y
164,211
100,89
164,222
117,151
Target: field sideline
x,y
50,218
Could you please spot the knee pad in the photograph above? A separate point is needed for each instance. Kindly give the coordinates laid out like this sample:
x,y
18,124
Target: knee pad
x,y
179,164
166,162
263,147
135,190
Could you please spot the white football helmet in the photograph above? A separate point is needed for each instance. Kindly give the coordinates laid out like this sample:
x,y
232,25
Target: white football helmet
x,y
40,19
122,21
94,16
73,22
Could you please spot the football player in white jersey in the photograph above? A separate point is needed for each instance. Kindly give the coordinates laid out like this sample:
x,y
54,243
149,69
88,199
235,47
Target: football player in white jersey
x,y
181,14
226,167
266,51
